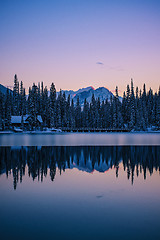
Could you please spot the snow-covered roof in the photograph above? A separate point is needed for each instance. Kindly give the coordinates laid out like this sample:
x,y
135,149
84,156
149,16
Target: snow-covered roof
x,y
18,119
39,118
15,119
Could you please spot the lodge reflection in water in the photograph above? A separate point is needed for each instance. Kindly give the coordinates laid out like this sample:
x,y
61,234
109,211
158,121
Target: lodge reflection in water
x,y
41,160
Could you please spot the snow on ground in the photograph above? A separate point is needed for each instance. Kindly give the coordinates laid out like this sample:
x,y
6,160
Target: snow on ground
x,y
58,131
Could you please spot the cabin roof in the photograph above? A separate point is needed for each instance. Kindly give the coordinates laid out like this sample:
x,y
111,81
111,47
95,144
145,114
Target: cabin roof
x,y
18,119
39,118
15,119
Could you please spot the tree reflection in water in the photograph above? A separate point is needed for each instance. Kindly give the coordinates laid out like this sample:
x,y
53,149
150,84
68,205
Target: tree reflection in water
x,y
40,160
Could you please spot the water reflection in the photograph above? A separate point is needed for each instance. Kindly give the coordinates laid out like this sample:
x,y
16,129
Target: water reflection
x,y
38,161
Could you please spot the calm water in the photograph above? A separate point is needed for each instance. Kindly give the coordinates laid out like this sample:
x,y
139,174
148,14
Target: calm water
x,y
79,139
80,192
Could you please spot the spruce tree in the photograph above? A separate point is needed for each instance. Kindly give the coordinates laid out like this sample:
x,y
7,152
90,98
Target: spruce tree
x,y
63,110
144,106
158,109
117,117
58,112
16,96
150,107
137,109
21,99
78,114
102,115
98,113
128,110
46,114
124,109
1,110
141,120
85,114
111,112
68,112
52,101
132,107
7,110
73,124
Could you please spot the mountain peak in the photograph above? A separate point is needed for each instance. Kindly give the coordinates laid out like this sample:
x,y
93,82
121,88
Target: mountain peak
x,y
102,93
92,87
84,89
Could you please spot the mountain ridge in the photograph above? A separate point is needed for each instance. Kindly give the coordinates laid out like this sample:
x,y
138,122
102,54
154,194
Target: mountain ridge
x,y
3,89
102,93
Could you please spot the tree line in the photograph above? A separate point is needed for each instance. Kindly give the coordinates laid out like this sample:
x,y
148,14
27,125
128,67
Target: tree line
x,y
136,110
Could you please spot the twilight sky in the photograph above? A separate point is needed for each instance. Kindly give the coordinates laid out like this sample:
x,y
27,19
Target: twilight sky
x,y
78,43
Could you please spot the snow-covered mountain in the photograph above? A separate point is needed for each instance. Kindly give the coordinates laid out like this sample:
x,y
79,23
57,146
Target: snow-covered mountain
x,y
101,92
88,167
74,93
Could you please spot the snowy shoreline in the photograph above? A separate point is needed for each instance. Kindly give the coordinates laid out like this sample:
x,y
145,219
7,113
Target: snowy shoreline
x,y
51,132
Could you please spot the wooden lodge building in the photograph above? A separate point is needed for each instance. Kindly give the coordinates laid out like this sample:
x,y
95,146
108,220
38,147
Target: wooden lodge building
x,y
25,121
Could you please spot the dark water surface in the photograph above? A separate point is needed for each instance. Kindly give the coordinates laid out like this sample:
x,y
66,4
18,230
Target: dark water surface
x,y
80,192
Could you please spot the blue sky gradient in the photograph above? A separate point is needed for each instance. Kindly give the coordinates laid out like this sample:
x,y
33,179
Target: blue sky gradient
x,y
62,42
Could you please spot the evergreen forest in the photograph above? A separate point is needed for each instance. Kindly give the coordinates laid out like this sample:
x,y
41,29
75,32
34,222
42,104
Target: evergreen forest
x,y
136,110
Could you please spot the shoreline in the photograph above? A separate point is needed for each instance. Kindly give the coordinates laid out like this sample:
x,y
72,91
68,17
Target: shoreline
x,y
50,132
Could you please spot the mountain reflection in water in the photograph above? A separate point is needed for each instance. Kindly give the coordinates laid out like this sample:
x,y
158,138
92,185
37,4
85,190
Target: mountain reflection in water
x,y
43,160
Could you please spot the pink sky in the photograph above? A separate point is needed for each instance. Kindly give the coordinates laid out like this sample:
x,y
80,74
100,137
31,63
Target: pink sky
x,y
65,42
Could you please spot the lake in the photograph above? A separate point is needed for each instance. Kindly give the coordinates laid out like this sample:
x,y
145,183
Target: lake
x,y
68,191
79,139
